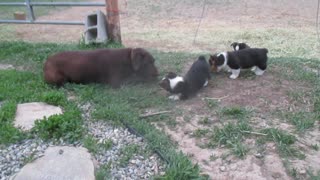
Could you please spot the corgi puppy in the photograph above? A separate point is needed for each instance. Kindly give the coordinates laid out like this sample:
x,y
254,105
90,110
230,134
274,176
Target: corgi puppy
x,y
255,58
184,87
239,46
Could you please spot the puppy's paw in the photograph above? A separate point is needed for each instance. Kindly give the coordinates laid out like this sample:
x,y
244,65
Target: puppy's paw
x,y
174,97
205,83
253,69
232,76
258,72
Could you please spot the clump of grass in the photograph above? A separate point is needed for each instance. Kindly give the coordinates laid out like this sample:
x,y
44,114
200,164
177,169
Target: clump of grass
x,y
67,126
198,133
283,140
204,121
103,172
181,168
235,112
232,136
54,97
301,120
8,133
127,153
91,144
211,103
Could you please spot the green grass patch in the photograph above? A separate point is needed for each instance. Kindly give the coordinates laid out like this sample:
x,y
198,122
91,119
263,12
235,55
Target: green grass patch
x,y
198,133
301,120
235,112
283,140
67,126
103,172
127,153
232,136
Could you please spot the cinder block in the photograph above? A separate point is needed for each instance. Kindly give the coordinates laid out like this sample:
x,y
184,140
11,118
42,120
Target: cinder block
x,y
96,28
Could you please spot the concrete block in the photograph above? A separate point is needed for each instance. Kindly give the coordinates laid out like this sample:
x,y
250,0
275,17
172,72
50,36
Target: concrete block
x,y
96,28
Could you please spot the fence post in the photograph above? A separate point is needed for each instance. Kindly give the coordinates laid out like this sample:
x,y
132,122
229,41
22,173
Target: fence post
x,y
113,20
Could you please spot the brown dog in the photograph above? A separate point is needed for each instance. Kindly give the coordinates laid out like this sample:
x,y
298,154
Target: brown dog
x,y
109,66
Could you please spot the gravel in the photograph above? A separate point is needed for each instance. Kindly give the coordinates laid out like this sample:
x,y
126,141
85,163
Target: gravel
x,y
141,165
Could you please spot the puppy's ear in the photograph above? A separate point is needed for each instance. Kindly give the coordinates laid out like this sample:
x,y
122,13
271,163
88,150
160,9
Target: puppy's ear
x,y
220,60
233,44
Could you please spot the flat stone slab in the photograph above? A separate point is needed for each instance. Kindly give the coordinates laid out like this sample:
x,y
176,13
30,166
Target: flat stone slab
x,y
28,113
59,162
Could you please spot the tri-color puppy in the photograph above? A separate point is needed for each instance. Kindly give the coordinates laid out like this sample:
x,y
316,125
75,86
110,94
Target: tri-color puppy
x,y
239,46
184,87
233,61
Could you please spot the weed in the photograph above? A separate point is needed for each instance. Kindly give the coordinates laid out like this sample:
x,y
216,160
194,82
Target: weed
x,y
29,159
107,144
211,103
302,120
91,144
67,126
54,97
232,136
181,168
103,173
315,147
235,112
283,141
198,133
213,157
313,176
204,121
127,153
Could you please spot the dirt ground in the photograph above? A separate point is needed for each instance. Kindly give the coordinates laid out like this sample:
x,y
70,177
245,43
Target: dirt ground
x,y
263,95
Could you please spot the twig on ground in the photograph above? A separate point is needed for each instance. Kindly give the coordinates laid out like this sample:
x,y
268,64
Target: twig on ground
x,y
218,98
153,114
255,133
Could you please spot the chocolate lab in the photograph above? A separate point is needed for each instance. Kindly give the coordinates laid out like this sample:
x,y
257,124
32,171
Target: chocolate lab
x,y
108,66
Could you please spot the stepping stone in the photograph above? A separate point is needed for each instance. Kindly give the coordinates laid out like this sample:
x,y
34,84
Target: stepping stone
x,y
6,66
28,113
59,162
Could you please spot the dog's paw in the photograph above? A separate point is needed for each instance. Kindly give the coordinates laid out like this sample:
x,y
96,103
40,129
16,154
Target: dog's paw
x,y
174,97
258,72
232,76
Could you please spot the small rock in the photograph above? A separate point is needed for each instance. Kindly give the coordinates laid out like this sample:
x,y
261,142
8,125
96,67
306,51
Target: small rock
x,y
258,155
302,171
222,168
60,151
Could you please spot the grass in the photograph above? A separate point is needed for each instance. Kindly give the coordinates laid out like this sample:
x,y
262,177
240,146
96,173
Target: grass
x,y
284,142
232,136
126,104
6,12
235,112
302,120
127,153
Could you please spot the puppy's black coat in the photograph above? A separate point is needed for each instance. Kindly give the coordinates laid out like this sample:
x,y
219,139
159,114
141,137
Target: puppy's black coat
x,y
196,78
242,59
247,58
239,46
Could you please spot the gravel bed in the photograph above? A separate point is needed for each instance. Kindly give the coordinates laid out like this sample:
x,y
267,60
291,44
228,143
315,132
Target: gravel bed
x,y
139,166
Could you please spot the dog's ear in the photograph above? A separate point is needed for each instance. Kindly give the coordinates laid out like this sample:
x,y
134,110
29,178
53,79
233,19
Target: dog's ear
x,y
220,59
233,44
136,58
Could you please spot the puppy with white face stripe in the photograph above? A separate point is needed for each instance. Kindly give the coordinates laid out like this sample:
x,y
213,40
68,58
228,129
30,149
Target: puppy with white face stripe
x,y
255,58
184,87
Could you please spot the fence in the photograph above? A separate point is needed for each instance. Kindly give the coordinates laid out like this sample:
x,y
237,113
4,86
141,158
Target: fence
x,y
31,17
